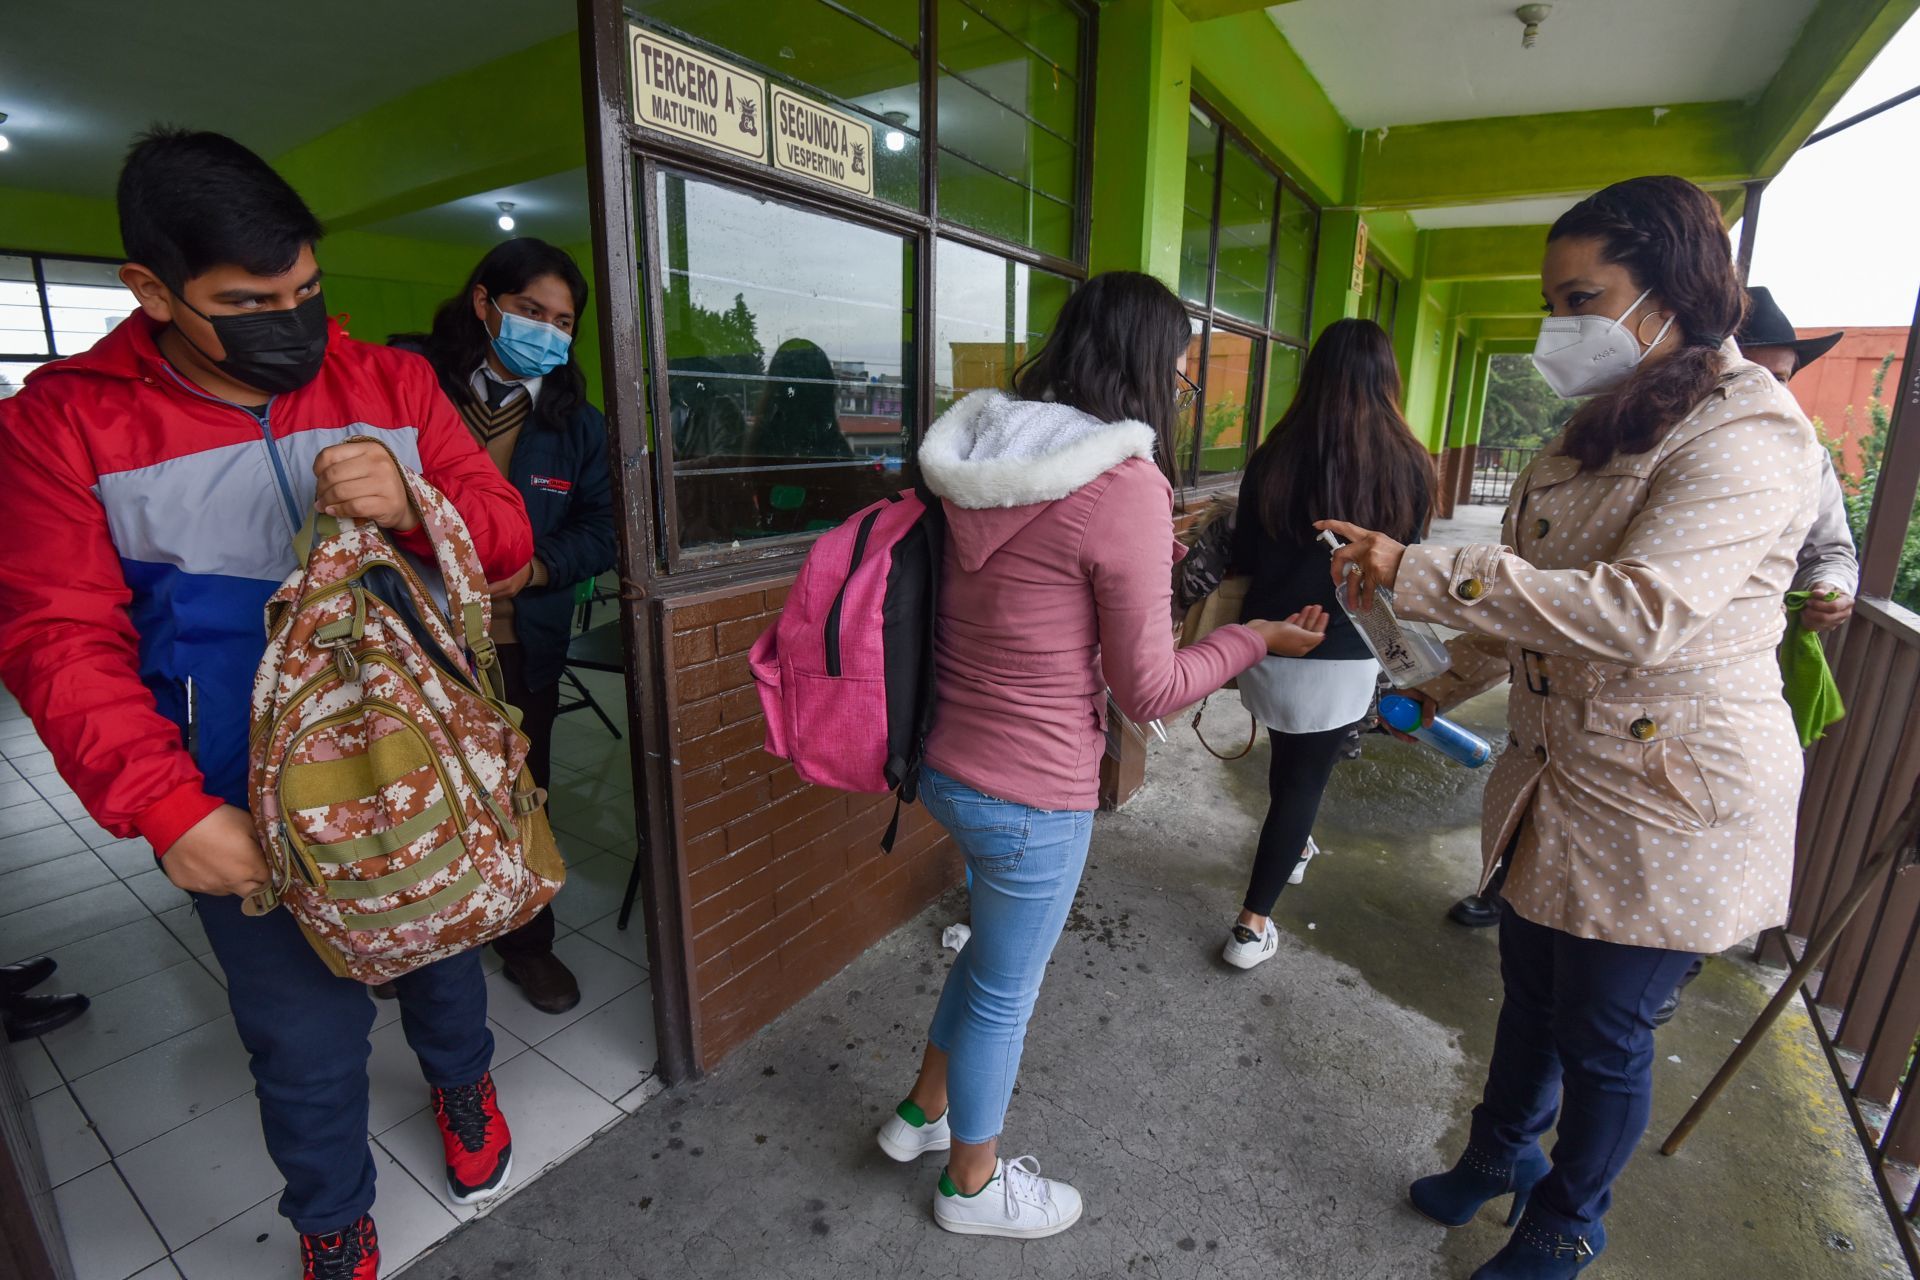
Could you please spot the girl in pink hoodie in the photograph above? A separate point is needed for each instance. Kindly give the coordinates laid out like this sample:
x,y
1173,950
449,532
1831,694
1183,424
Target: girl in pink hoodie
x,y
1057,588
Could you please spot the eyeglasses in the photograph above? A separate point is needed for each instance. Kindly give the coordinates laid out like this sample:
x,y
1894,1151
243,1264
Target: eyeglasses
x,y
1183,399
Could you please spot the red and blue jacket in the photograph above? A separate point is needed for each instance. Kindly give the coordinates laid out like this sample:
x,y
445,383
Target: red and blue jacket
x,y
147,523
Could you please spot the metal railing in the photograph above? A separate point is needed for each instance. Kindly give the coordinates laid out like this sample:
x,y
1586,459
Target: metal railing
x,y
1865,998
1495,468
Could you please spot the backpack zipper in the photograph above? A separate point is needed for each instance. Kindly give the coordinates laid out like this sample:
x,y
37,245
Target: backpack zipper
x,y
840,597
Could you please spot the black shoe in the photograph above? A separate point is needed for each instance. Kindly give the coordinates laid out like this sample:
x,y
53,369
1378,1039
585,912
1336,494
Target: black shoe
x,y
1664,1014
18,979
545,980
28,1016
1475,911
384,991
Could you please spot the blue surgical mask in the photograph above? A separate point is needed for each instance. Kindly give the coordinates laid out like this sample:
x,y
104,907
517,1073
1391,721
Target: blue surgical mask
x,y
529,348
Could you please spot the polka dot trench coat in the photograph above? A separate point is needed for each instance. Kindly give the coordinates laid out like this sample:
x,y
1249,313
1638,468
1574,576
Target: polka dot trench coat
x,y
1650,784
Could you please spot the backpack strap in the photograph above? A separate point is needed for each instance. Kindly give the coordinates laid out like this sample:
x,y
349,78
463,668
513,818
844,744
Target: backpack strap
x,y
468,605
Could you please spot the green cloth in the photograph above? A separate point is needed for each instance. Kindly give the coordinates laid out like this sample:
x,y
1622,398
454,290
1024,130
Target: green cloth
x,y
1811,693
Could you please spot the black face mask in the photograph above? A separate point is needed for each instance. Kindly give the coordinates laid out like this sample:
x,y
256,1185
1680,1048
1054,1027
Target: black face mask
x,y
270,351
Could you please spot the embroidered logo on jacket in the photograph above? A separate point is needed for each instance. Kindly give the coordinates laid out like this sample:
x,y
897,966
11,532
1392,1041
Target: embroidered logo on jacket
x,y
552,484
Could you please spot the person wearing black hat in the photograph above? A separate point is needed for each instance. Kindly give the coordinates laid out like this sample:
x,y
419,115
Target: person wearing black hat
x,y
1829,565
26,1016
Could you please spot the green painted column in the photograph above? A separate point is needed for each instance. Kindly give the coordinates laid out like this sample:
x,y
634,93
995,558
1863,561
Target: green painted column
x,y
1334,298
1140,137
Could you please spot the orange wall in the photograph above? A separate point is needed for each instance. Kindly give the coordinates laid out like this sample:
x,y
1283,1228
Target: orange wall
x,y
1842,380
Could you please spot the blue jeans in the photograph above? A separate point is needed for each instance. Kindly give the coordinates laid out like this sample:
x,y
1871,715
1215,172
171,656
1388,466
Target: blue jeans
x,y
307,1033
1576,1040
1026,866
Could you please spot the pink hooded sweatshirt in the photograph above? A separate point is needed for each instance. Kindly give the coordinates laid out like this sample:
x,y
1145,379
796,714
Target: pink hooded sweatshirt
x,y
1058,586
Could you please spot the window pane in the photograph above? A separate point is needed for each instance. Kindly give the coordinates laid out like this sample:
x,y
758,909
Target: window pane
x,y
1196,221
1230,403
1248,194
86,299
991,314
13,373
1047,27
988,202
1009,94
23,330
788,338
823,53
1183,432
1293,274
1389,299
1283,379
984,130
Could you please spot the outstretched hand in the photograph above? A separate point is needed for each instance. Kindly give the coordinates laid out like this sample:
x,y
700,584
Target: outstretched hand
x,y
1301,633
1369,561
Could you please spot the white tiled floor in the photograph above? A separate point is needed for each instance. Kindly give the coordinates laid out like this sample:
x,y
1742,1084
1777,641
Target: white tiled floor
x,y
145,1106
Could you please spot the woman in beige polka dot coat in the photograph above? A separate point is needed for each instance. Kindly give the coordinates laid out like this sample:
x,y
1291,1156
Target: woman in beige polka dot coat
x,y
1646,797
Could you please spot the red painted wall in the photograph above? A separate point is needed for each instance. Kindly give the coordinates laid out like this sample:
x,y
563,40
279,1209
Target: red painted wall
x,y
1834,389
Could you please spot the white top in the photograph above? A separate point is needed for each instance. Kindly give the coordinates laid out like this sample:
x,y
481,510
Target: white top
x,y
1308,695
485,374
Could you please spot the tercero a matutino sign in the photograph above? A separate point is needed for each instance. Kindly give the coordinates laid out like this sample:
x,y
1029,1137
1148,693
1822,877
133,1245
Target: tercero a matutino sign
x,y
683,91
821,143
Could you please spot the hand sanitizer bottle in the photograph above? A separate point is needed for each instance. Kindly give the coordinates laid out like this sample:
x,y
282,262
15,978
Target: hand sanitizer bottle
x,y
1409,652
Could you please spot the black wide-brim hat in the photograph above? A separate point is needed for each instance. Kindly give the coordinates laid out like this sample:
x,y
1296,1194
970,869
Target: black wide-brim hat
x,y
1767,326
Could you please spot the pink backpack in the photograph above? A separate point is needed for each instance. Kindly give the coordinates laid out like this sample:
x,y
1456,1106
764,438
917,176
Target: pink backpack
x,y
846,675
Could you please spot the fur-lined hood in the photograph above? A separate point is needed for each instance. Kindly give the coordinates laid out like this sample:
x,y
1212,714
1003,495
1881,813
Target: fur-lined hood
x,y
998,462
991,450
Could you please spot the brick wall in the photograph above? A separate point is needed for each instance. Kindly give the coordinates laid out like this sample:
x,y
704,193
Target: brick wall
x,y
785,883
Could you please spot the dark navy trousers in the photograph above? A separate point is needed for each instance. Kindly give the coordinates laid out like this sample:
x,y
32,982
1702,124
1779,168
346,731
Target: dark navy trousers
x,y
307,1033
1575,1040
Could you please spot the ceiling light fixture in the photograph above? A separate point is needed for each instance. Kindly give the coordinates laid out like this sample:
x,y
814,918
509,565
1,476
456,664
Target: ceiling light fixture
x,y
506,215
1533,15
4,144
896,138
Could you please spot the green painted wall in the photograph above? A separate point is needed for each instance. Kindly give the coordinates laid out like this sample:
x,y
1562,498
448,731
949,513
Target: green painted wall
x,y
1246,68
1140,137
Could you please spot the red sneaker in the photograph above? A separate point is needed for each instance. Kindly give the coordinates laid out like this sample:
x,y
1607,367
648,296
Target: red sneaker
x,y
353,1254
479,1148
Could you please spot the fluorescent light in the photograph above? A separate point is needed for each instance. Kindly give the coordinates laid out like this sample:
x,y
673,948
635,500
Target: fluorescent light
x,y
896,140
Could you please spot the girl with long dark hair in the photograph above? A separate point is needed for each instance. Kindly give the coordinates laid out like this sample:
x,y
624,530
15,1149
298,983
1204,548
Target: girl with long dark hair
x,y
503,350
1341,451
1056,588
1645,800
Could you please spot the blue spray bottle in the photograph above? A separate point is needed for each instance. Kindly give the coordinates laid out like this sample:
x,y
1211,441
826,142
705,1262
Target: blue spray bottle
x,y
1442,734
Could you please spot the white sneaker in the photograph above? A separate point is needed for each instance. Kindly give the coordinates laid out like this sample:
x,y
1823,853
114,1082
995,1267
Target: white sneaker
x,y
905,1139
1017,1203
1243,950
1299,872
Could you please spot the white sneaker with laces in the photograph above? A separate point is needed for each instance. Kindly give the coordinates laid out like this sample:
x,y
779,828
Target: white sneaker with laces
x,y
1244,950
908,1134
1017,1203
1299,872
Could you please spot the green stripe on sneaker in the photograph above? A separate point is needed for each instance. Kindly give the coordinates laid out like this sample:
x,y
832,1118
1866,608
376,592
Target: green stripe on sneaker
x,y
910,1112
947,1187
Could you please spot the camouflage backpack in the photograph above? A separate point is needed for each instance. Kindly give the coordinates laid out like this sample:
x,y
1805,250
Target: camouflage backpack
x,y
388,779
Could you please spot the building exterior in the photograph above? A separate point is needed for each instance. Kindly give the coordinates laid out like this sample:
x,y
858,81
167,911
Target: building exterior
x,y
1837,390
813,225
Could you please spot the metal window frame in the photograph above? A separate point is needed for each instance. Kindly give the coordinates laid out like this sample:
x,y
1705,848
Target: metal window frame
x,y
1192,484
39,262
921,228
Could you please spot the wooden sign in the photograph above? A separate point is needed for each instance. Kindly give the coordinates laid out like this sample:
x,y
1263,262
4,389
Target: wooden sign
x,y
1359,284
822,143
682,91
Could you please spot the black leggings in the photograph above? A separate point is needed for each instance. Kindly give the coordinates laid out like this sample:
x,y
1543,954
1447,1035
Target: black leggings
x,y
1296,779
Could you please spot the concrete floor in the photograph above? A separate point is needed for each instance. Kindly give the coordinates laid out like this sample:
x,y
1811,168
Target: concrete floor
x,y
1220,1124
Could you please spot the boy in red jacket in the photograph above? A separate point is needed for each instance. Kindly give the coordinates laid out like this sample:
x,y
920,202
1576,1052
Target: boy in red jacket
x,y
155,485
